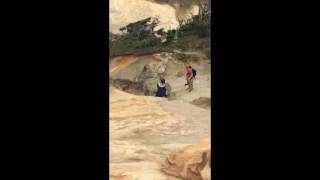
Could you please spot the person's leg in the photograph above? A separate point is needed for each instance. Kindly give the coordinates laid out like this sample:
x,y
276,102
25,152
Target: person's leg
x,y
188,84
191,85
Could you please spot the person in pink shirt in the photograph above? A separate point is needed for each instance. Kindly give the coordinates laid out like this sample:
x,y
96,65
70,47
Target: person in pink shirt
x,y
189,78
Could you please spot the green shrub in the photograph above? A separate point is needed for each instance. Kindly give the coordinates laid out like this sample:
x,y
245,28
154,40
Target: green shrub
x,y
182,57
190,34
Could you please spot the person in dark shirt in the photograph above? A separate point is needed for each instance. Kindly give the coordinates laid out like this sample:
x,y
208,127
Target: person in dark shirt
x,y
161,86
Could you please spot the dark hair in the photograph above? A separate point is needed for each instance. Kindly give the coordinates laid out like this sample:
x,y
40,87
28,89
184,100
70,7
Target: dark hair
x,y
189,67
163,81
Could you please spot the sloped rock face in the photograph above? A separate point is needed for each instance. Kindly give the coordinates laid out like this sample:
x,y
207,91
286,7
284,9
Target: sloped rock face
x,y
192,162
123,12
145,130
120,177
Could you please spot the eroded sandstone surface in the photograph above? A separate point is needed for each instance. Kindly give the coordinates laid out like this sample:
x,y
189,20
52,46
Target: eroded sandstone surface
x,y
155,138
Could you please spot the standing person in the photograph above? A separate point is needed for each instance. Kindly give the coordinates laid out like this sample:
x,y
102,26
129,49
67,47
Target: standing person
x,y
189,78
161,88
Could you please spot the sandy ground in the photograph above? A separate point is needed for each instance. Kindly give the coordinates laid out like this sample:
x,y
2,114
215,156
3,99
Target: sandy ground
x,y
145,130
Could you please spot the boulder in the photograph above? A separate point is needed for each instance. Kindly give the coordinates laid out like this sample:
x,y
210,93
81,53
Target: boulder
x,y
192,162
168,87
152,70
150,86
150,76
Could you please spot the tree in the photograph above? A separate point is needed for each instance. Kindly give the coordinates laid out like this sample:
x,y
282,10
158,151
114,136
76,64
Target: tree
x,y
204,11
